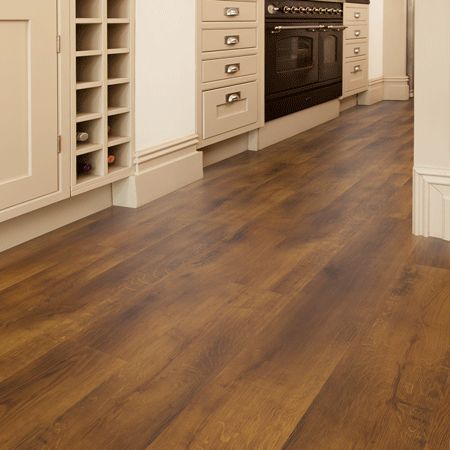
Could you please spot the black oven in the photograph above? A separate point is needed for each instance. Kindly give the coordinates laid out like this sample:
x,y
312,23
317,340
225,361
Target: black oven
x,y
304,45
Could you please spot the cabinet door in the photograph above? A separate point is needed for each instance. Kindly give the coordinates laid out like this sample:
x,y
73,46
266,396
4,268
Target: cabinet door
x,y
28,100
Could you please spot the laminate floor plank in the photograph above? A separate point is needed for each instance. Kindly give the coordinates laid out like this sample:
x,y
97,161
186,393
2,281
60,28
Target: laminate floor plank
x,y
281,302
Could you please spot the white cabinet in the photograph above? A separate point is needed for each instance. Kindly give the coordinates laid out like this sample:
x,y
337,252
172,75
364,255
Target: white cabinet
x,y
29,100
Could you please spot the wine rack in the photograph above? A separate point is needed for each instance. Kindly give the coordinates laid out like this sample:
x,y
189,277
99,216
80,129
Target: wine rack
x,y
102,94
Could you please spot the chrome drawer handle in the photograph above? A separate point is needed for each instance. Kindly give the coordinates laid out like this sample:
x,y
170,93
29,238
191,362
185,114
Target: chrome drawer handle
x,y
231,12
231,40
234,97
357,69
357,33
357,50
232,68
357,15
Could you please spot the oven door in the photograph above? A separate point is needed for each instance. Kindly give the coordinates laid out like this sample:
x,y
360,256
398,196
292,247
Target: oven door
x,y
292,58
330,55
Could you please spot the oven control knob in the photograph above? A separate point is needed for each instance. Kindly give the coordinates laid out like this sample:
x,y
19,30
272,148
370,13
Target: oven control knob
x,y
287,9
302,10
309,10
316,10
272,9
335,11
295,10
322,10
329,10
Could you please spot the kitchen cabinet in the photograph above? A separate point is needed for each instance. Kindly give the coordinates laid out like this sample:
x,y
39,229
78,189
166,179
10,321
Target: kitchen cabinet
x,y
29,158
230,55
356,54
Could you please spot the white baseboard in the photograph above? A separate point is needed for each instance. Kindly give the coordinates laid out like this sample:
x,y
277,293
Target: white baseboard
x,y
37,223
374,94
285,127
396,88
224,150
159,171
431,213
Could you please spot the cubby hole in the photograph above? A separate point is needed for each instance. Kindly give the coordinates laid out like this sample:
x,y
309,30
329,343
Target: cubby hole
x,y
95,161
89,69
88,9
95,133
118,66
89,101
121,154
118,128
118,96
118,36
89,37
118,9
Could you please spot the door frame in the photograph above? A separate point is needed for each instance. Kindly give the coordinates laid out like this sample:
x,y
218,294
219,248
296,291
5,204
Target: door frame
x,y
63,192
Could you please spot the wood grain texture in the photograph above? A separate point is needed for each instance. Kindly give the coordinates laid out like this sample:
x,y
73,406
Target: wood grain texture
x,y
280,303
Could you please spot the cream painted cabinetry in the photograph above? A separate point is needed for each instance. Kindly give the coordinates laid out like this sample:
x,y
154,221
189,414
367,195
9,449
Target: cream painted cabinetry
x,y
31,165
230,68
356,49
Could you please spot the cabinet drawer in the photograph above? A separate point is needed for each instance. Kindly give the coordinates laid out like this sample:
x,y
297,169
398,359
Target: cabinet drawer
x,y
229,108
213,40
356,49
356,14
223,69
228,11
357,31
356,75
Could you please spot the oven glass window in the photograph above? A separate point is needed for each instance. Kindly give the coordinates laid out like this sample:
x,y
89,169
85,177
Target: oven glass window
x,y
294,53
330,49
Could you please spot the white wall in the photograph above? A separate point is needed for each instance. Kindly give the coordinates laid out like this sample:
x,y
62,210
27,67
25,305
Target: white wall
x,y
432,91
165,71
376,39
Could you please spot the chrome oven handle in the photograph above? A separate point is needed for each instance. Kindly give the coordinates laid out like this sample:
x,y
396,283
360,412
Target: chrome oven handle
x,y
280,28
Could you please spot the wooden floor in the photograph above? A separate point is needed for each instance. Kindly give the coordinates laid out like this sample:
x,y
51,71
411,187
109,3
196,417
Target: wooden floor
x,y
280,303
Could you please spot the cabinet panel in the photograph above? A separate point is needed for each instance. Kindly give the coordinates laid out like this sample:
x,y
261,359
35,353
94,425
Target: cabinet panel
x,y
228,68
228,11
29,101
229,108
355,76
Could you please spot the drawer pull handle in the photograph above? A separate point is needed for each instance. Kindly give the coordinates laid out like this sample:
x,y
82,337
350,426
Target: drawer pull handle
x,y
357,50
357,69
234,97
357,33
357,15
232,12
232,68
231,40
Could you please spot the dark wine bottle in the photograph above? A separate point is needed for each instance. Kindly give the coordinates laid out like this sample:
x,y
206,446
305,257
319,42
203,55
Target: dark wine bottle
x,y
83,166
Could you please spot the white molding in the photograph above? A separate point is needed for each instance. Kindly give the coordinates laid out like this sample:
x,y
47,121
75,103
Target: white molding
x,y
160,170
285,127
374,94
396,88
431,212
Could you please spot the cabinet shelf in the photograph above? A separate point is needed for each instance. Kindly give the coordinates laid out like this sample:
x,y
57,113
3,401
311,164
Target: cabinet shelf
x,y
101,92
117,140
83,148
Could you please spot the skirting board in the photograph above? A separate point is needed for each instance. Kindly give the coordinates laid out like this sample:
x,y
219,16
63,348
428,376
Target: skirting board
x,y
396,88
431,215
285,127
37,223
159,171
224,150
374,94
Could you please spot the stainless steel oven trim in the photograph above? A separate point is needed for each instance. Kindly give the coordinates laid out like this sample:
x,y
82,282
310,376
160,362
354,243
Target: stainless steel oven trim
x,y
280,28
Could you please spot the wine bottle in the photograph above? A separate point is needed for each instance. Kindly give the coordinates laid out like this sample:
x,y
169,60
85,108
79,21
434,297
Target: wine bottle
x,y
83,166
82,136
111,159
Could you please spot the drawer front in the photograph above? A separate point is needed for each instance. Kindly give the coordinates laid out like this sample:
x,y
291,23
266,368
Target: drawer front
x,y
228,11
356,14
229,108
357,32
356,75
214,40
356,49
226,68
